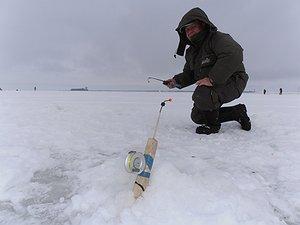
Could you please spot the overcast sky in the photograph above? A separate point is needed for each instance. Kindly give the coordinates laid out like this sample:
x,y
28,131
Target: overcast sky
x,y
61,44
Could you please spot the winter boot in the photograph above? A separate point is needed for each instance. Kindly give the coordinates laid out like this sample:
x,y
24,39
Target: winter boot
x,y
235,113
206,129
242,117
212,126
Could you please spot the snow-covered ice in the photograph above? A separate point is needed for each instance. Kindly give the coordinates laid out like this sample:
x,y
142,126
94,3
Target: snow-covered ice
x,y
62,161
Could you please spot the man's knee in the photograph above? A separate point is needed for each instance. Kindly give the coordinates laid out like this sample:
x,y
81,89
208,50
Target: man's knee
x,y
205,98
198,116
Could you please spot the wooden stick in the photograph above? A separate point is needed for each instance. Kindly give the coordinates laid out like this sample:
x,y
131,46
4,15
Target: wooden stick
x,y
142,180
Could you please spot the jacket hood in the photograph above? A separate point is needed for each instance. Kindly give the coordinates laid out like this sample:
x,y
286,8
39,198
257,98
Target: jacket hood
x,y
190,16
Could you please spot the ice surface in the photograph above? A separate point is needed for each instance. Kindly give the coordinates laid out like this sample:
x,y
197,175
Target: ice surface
x,y
62,155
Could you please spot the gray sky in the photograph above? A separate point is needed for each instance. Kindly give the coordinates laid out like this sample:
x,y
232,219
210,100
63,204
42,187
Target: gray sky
x,y
60,44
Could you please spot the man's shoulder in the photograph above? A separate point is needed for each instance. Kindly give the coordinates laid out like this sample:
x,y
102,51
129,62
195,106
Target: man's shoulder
x,y
218,35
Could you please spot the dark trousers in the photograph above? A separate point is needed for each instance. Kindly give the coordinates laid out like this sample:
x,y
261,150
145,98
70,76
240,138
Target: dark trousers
x,y
214,117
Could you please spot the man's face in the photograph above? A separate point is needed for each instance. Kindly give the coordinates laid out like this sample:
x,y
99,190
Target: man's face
x,y
192,29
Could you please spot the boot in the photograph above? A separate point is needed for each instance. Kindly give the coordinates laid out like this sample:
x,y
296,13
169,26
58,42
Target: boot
x,y
235,113
243,118
206,129
212,126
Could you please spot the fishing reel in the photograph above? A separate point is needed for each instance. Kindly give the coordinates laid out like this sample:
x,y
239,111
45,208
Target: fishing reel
x,y
135,162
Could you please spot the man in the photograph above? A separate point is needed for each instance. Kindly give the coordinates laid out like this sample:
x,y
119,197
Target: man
x,y
214,62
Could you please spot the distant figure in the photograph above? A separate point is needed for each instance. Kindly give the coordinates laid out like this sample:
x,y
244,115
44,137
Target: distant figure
x,y
0,89
17,89
280,91
34,88
265,91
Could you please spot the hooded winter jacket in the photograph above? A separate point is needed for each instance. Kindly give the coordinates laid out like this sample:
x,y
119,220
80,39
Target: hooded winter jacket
x,y
214,55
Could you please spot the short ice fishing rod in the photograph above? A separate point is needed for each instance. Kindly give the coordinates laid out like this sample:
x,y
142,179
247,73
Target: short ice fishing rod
x,y
136,162
165,82
154,78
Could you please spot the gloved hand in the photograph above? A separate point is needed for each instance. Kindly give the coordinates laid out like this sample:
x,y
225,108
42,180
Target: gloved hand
x,y
170,83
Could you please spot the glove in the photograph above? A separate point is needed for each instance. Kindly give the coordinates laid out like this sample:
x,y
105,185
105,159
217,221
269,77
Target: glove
x,y
170,83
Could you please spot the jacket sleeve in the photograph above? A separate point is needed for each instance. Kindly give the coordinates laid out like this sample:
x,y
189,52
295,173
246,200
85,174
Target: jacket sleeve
x,y
186,78
229,57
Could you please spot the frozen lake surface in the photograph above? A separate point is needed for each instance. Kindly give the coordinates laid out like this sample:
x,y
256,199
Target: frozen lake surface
x,y
62,155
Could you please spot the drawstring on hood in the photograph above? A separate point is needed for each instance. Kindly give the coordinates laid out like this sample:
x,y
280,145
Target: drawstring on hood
x,y
190,16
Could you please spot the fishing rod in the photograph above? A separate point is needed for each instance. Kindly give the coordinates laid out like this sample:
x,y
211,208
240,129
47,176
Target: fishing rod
x,y
165,82
136,162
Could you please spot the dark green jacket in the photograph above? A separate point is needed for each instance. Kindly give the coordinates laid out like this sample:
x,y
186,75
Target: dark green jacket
x,y
216,56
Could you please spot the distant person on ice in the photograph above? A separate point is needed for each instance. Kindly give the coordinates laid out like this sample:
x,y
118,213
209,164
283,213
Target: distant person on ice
x,y
214,61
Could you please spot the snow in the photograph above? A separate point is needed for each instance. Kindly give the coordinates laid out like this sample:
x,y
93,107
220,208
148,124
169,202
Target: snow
x,y
62,161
